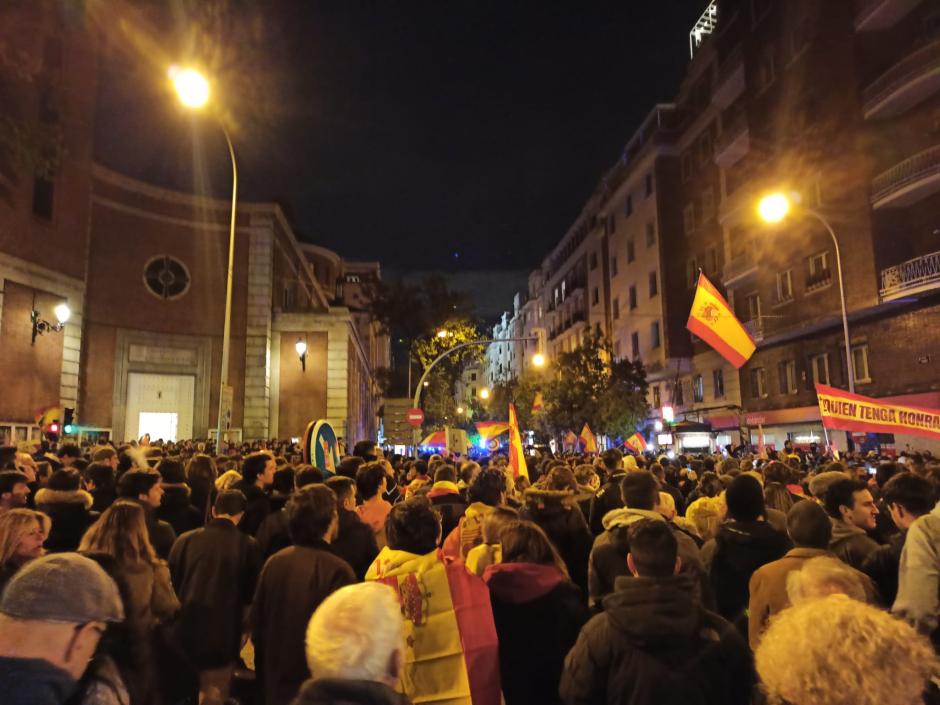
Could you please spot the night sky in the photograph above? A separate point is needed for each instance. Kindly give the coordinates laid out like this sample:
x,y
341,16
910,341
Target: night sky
x,y
426,135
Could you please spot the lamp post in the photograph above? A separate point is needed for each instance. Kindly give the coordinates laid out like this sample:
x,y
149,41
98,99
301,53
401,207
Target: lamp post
x,y
773,208
192,88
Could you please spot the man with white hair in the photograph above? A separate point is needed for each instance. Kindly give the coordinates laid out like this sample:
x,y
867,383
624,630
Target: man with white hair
x,y
354,648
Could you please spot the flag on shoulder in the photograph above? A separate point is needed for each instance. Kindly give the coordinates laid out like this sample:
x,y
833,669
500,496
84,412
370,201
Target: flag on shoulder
x,y
712,320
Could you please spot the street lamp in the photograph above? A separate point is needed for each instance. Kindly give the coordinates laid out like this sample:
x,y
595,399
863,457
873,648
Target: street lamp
x,y
773,208
192,89
538,360
442,333
460,409
485,393
40,325
301,347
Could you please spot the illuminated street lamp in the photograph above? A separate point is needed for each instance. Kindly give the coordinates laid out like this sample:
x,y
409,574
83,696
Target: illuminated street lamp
x,y
460,409
192,89
301,347
442,333
538,360
485,393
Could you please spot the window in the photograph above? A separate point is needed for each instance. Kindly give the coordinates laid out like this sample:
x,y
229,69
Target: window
x,y
650,234
616,349
616,307
649,184
287,298
657,397
698,388
166,277
593,261
654,284
632,296
708,204
820,366
654,334
860,364
611,223
473,390
473,376
713,260
718,383
758,383
595,297
785,285
691,272
631,251
678,398
787,371
43,197
635,344
819,263
613,266
752,304
686,166
688,219
628,206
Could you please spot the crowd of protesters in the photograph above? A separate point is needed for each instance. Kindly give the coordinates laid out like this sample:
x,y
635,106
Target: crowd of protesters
x,y
163,574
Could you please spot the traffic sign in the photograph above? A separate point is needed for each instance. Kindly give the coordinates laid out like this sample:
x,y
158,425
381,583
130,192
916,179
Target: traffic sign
x,y
415,417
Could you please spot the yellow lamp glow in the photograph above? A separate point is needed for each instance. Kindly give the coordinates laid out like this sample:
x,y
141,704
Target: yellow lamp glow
x,y
442,333
773,207
538,360
484,393
192,88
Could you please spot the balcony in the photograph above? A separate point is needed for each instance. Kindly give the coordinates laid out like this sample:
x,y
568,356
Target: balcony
x,y
730,83
734,141
872,15
818,280
912,80
907,182
740,269
912,277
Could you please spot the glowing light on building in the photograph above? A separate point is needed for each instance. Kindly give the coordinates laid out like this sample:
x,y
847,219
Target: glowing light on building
x,y
703,27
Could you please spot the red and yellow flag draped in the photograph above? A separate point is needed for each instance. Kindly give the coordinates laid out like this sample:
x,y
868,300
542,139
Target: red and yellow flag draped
x,y
516,453
588,439
712,320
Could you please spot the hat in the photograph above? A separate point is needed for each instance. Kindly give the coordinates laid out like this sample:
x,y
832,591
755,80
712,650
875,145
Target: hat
x,y
821,482
63,587
809,525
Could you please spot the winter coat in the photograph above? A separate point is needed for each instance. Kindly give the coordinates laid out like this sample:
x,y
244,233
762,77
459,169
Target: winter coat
x,y
70,511
259,506
608,560
608,498
215,571
918,600
451,650
355,543
103,497
882,566
374,512
850,543
161,533
33,681
676,495
151,598
655,645
273,534
558,515
768,589
176,510
450,505
469,531
740,548
538,613
335,691
293,583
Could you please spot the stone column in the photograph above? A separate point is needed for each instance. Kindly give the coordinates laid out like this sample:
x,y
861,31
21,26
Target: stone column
x,y
258,332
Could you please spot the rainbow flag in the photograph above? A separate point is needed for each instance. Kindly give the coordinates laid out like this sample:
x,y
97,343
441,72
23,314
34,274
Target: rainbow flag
x,y
712,320
451,649
636,443
516,452
588,439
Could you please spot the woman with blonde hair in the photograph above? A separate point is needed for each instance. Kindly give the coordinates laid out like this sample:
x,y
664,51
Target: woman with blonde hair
x,y
121,532
22,533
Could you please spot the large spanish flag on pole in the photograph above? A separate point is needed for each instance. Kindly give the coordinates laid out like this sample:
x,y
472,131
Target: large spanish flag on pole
x,y
516,454
712,320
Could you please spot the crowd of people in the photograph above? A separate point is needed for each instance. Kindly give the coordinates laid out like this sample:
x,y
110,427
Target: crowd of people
x,y
163,574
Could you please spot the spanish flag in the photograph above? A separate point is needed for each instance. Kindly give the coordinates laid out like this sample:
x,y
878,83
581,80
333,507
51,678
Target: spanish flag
x,y
712,320
587,438
516,454
636,443
538,404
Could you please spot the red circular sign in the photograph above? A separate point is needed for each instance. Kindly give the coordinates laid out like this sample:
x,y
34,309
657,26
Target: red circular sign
x,y
415,417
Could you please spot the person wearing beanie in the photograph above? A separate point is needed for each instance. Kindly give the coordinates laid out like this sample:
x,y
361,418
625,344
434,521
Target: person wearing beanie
x,y
69,507
744,543
810,530
175,508
53,614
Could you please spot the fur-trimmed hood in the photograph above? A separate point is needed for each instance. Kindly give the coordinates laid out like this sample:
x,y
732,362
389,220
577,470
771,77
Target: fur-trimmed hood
x,y
540,497
45,496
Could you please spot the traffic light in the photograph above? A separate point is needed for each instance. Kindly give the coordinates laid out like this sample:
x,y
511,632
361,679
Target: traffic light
x,y
68,424
53,427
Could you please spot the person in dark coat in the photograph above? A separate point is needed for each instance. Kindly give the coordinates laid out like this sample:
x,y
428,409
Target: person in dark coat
x,y
293,583
608,496
445,497
660,474
201,474
743,544
355,542
538,613
273,534
99,482
257,475
215,571
146,488
69,507
175,508
654,644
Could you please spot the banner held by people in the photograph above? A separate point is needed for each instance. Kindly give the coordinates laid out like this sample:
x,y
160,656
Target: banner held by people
x,y
853,412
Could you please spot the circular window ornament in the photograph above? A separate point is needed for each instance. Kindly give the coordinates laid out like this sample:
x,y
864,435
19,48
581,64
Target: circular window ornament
x,y
166,277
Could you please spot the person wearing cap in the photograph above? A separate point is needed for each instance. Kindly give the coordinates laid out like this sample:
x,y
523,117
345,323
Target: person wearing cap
x,y
52,616
215,570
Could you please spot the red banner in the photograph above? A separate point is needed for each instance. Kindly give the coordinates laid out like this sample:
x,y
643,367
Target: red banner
x,y
853,412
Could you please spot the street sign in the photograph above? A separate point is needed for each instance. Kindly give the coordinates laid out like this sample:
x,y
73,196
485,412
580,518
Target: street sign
x,y
415,417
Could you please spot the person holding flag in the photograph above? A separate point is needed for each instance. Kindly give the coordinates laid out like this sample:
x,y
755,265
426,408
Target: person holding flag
x,y
636,443
588,440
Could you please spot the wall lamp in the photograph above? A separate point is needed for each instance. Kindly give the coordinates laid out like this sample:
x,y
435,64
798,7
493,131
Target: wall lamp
x,y
40,325
301,347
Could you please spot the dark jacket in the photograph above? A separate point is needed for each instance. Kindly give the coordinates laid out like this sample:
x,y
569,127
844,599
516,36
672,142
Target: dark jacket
x,y
608,497
740,548
558,515
851,544
882,566
538,613
334,691
70,511
103,497
655,645
161,533
273,534
176,510
259,506
33,681
450,505
292,585
215,571
676,495
355,543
